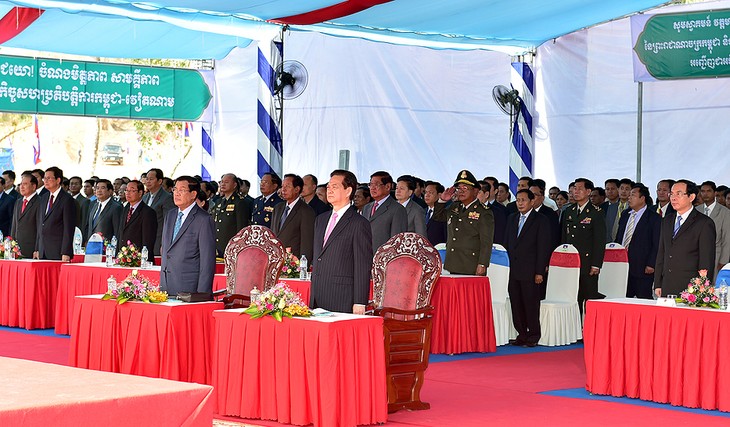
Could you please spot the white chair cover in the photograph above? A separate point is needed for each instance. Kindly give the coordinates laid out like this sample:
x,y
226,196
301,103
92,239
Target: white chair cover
x,y
78,237
559,315
615,271
498,273
441,248
723,274
94,249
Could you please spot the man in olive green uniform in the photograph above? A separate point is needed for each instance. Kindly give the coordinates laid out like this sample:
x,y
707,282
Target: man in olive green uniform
x,y
230,214
470,227
584,226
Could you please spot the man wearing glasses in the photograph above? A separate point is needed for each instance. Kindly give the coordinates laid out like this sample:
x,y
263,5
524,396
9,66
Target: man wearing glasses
x,y
138,221
188,243
686,242
470,227
387,217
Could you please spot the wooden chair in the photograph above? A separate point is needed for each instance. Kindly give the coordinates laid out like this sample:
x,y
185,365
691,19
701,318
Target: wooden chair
x,y
405,270
253,257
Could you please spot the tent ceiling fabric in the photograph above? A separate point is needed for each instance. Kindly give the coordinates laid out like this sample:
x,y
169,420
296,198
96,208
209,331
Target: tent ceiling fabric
x,y
508,26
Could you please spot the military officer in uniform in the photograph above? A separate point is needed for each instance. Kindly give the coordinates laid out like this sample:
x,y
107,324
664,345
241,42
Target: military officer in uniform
x,y
263,210
470,227
230,214
584,226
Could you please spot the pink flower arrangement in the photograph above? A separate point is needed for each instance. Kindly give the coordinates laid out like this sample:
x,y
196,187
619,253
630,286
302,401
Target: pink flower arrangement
x,y
279,301
135,287
700,293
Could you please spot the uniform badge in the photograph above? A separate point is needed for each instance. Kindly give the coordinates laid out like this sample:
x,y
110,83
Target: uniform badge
x,y
463,175
269,208
586,220
473,215
266,219
230,208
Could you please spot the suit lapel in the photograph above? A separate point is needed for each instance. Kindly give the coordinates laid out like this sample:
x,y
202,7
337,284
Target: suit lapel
x,y
528,223
190,218
381,209
687,224
291,215
341,225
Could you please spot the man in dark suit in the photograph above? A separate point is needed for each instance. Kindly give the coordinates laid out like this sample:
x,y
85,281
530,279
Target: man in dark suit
x,y
293,220
264,204
231,214
138,222
7,204
404,190
584,226
498,210
104,213
638,232
188,243
9,186
470,227
25,216
522,184
56,219
662,206
529,248
435,230
309,195
75,184
387,217
343,252
159,200
686,243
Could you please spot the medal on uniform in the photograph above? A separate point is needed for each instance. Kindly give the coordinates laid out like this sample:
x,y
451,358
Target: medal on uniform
x,y
230,208
473,215
586,220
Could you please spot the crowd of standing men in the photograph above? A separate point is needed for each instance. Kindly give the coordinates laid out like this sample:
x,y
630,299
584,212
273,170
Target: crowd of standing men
x,y
339,225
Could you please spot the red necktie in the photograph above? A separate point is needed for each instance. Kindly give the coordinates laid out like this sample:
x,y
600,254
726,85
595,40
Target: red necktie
x,y
375,206
25,203
129,214
50,203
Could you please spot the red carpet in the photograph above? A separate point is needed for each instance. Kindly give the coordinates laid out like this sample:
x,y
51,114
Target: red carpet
x,y
490,391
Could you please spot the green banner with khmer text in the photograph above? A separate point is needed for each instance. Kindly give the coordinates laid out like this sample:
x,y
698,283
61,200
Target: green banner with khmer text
x,y
52,86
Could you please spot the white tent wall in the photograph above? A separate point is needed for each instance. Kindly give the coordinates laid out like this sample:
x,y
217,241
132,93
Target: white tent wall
x,y
587,109
407,110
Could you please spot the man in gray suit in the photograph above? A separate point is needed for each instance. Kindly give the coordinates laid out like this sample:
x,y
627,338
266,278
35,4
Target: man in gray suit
x,y
387,217
721,217
159,200
104,213
188,243
404,189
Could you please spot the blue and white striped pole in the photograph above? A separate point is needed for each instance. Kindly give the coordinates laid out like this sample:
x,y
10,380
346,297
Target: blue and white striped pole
x,y
206,166
270,152
522,149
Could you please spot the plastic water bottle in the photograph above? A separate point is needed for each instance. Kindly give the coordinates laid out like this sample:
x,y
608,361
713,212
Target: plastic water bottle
x,y
145,255
113,244
109,256
255,295
722,293
111,283
77,244
303,268
6,246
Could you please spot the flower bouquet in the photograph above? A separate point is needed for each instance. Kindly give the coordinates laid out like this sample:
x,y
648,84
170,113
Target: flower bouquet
x,y
290,269
135,287
279,301
12,245
129,256
700,293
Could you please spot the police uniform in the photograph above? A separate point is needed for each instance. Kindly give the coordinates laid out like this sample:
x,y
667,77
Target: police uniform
x,y
263,211
470,231
587,232
230,216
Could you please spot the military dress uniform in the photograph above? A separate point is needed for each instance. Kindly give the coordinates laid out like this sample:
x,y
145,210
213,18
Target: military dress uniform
x,y
263,211
587,232
230,216
470,232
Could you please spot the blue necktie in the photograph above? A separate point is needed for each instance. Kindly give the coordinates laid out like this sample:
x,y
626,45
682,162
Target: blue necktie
x,y
677,225
429,211
283,217
178,224
522,222
96,216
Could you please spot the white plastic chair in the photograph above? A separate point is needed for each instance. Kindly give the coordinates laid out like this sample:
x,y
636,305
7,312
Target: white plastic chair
x,y
498,273
94,249
559,314
615,271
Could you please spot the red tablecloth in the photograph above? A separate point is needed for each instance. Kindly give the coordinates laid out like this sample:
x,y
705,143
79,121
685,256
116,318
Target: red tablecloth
x,y
462,317
168,340
28,292
45,394
87,279
674,355
462,320
300,371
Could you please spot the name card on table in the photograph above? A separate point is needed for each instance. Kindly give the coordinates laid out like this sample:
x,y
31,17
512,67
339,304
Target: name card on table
x,y
666,302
